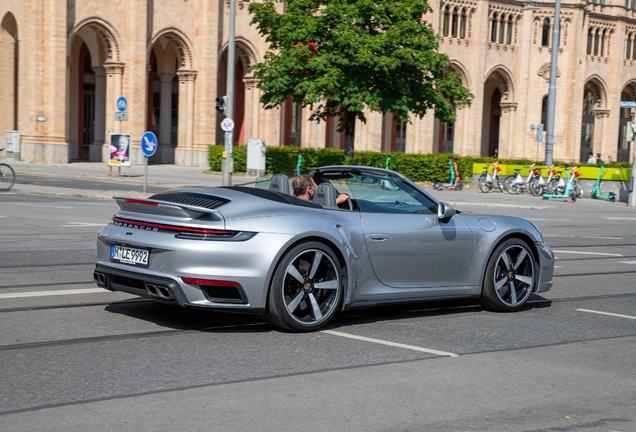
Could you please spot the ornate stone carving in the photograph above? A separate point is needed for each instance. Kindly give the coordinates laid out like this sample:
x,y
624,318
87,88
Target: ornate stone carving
x,y
508,107
114,68
600,113
187,75
544,72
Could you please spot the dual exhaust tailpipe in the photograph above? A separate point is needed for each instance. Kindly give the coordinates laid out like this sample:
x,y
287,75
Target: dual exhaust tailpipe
x,y
161,292
102,280
155,291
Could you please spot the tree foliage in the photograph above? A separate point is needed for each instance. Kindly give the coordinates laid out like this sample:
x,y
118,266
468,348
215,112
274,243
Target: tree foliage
x,y
355,54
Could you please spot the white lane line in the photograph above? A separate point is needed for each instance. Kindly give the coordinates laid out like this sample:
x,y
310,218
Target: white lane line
x,y
590,237
393,344
607,313
617,218
83,224
541,219
586,253
46,206
52,293
627,262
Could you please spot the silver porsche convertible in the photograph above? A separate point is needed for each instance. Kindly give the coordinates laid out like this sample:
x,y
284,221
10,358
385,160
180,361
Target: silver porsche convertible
x,y
260,250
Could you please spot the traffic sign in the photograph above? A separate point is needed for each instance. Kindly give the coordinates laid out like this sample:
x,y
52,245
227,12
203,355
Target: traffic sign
x,y
121,116
149,143
628,104
122,104
227,125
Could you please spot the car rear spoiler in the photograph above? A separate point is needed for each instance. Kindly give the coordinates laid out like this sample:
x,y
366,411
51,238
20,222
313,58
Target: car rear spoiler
x,y
163,208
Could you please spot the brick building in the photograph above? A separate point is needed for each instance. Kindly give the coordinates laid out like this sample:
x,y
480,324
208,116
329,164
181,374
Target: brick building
x,y
69,61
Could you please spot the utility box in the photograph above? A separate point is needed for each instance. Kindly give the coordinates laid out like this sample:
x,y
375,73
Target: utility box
x,y
256,159
13,145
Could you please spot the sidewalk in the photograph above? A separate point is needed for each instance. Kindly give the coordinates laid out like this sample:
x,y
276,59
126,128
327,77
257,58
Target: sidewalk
x,y
170,176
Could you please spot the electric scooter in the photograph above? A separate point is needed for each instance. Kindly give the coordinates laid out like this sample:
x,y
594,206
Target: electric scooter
x,y
596,193
568,192
453,180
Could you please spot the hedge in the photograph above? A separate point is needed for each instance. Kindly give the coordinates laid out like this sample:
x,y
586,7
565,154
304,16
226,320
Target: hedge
x,y
417,167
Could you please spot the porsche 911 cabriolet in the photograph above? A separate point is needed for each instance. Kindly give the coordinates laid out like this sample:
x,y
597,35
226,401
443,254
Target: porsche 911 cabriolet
x,y
295,262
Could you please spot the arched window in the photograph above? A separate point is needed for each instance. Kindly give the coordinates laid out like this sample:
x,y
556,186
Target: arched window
x,y
628,49
596,42
502,28
545,34
633,39
445,22
509,32
590,42
462,24
493,30
454,25
544,110
602,50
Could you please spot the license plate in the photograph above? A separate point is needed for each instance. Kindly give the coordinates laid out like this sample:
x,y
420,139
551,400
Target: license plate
x,y
129,255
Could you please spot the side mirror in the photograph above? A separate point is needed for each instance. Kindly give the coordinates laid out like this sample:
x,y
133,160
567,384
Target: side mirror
x,y
445,211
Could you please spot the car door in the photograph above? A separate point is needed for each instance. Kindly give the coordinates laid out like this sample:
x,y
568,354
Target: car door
x,y
408,245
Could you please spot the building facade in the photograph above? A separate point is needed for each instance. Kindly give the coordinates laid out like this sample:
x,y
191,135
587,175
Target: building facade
x,y
64,63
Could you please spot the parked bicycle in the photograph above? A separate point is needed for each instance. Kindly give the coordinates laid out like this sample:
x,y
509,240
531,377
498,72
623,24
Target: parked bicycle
x,y
540,185
570,190
7,176
487,181
515,183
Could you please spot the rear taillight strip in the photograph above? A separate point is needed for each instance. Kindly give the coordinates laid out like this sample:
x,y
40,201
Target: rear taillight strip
x,y
174,228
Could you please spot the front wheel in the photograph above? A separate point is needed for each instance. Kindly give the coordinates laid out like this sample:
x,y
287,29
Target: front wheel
x,y
306,288
483,184
459,186
512,186
437,186
535,188
578,190
612,197
572,196
7,177
510,277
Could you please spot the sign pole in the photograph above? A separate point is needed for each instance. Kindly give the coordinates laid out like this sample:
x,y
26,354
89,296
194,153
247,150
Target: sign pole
x,y
145,172
228,161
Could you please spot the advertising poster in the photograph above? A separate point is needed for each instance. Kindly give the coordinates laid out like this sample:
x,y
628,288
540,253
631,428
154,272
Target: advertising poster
x,y
119,149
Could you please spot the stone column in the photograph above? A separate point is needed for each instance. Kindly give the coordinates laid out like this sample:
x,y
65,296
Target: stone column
x,y
95,148
165,152
184,153
601,145
460,136
506,130
114,73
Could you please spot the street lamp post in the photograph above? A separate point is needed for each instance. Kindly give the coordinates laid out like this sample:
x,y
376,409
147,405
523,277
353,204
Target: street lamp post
x,y
228,162
549,138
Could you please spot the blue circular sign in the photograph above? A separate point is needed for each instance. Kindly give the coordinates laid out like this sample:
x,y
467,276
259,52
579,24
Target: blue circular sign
x,y
122,104
149,144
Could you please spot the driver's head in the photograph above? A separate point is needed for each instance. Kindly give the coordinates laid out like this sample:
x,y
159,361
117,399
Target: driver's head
x,y
304,184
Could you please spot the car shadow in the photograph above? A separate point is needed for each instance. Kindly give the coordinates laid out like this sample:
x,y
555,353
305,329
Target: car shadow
x,y
180,318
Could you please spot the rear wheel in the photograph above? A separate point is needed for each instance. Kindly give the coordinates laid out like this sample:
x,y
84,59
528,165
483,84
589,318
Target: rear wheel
x,y
512,186
578,189
535,188
483,184
572,196
612,197
510,277
459,186
306,288
437,186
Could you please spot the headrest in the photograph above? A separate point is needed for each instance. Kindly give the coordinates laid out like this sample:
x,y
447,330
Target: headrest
x,y
326,195
280,183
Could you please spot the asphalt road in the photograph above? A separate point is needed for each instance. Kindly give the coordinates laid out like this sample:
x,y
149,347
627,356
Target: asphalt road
x,y
77,358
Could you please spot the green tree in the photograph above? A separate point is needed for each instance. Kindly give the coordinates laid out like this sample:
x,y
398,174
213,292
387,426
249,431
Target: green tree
x,y
354,54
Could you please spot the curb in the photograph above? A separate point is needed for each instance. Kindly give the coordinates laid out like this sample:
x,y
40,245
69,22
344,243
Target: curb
x,y
496,205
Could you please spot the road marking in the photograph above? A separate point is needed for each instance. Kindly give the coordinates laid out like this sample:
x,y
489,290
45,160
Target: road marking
x,y
586,253
52,293
83,224
607,313
627,262
553,220
590,237
393,344
616,218
46,206
558,266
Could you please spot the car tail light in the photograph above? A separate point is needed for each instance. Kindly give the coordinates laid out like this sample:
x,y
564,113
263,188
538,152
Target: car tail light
x,y
164,227
195,281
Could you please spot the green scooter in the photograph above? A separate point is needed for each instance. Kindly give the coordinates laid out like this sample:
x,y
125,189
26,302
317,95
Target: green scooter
x,y
596,193
568,193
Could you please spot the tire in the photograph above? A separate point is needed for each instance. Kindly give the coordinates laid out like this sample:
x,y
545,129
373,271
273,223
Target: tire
x,y
459,186
572,196
512,186
483,184
535,188
593,195
7,177
552,186
295,301
578,190
510,277
612,197
500,185
437,186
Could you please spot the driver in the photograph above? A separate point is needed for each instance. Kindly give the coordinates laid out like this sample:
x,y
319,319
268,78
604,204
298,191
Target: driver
x,y
305,188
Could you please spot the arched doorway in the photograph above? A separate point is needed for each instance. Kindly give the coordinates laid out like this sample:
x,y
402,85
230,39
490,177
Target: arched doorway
x,y
587,126
9,62
90,51
498,115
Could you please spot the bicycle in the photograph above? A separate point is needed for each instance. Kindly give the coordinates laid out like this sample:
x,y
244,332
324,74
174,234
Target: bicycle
x,y
486,181
540,186
515,183
567,190
7,176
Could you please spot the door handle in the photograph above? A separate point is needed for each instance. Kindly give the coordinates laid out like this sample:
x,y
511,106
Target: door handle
x,y
379,237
